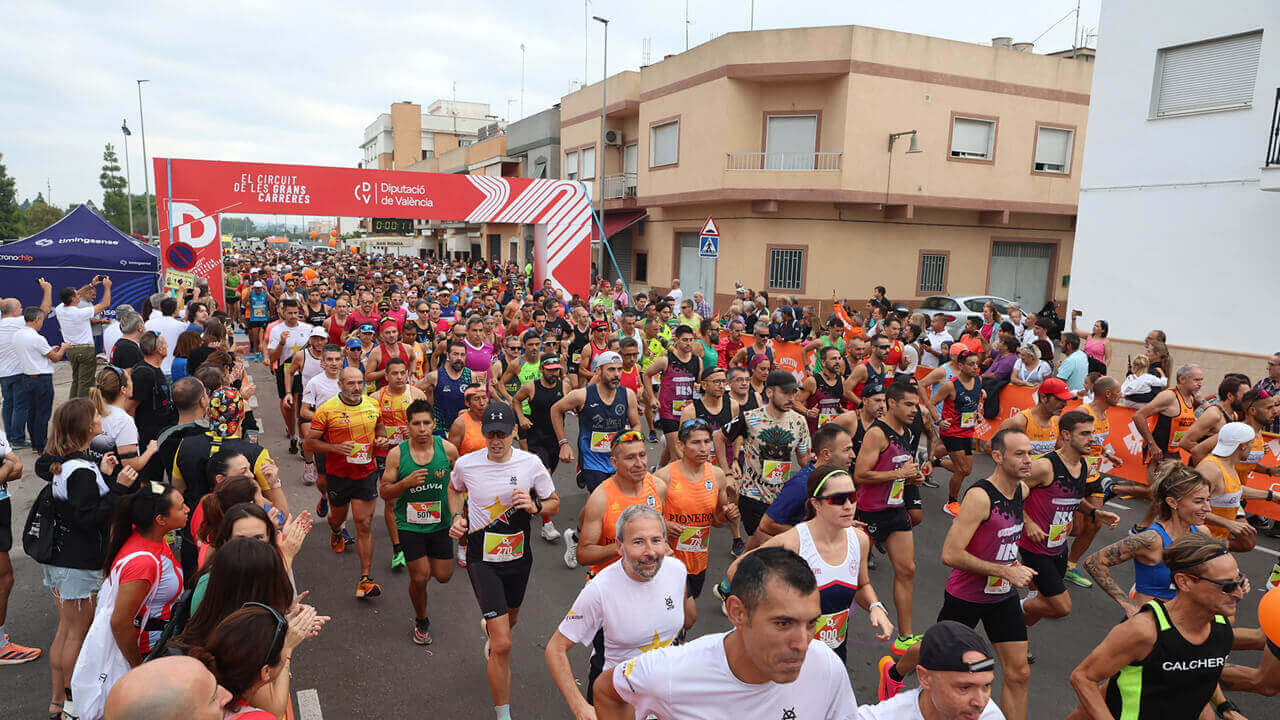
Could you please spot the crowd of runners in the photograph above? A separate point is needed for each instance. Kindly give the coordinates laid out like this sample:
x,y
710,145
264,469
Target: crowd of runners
x,y
439,396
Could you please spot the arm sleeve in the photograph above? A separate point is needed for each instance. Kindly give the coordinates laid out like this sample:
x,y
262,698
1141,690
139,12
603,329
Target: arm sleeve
x,y
89,509
585,618
644,683
736,428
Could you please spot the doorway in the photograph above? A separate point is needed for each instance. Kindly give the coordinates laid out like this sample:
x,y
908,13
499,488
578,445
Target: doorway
x,y
1020,272
697,274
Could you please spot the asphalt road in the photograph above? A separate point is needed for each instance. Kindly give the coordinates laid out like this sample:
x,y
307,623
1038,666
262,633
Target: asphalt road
x,y
365,663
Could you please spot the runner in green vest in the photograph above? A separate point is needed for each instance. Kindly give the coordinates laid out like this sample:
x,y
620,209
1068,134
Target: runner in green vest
x,y
416,477
517,373
833,338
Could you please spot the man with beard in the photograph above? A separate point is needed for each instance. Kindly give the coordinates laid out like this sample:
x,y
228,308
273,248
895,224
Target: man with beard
x,y
822,394
633,606
605,408
1229,408
390,348
446,385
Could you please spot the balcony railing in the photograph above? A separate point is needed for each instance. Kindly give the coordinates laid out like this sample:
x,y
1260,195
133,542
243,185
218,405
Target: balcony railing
x,y
619,186
1273,140
784,161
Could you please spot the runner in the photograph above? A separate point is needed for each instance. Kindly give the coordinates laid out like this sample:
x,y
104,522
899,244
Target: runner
x,y
465,434
629,604
822,394
1106,394
532,406
828,535
597,343
445,386
283,343
504,373
502,486
389,348
1228,408
759,346
1040,422
347,428
479,351
392,401
415,480
871,371
604,409
832,445
317,392
697,499
834,338
1227,487
957,668
679,369
307,364
258,307
1174,413
714,407
961,401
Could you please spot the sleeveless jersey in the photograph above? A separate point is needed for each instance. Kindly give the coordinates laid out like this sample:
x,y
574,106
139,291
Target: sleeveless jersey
x,y
837,584
995,540
1155,580
447,399
335,330
873,376
310,367
512,386
315,317
860,434
424,508
1226,504
826,343
948,374
479,359
1052,507
1101,429
962,410
676,385
692,503
258,304
539,412
1176,679
386,357
752,352
719,419
1168,431
472,437
1043,439
392,409
529,372
598,425
888,495
1257,450
631,378
825,397
614,503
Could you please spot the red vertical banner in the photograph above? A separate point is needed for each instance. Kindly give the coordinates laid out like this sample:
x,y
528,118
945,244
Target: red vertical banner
x,y
190,242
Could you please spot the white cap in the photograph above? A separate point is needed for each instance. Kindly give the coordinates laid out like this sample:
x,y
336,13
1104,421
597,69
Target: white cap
x,y
319,332
605,358
258,283
1231,436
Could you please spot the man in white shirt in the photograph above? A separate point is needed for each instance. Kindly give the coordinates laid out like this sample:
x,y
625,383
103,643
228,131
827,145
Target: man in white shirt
x,y
956,670
169,327
676,294
35,397
76,322
286,338
111,332
936,340
768,666
637,602
11,321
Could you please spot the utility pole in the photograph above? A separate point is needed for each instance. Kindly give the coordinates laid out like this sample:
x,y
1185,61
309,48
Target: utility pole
x,y
604,104
586,29
146,182
521,81
752,20
128,175
686,24
1075,36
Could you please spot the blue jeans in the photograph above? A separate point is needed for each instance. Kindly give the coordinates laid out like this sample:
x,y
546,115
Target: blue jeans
x,y
33,408
9,393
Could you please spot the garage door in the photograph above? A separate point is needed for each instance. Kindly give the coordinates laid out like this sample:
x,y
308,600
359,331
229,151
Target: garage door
x,y
1020,271
697,274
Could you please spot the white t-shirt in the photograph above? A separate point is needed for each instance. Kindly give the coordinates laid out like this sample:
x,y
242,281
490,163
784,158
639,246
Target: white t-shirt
x,y
694,682
168,328
935,340
118,430
74,323
31,349
8,357
913,358
110,334
319,389
906,706
676,295
489,484
636,616
299,336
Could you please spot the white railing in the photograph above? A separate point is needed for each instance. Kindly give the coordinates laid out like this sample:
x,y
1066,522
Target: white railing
x,y
622,185
784,161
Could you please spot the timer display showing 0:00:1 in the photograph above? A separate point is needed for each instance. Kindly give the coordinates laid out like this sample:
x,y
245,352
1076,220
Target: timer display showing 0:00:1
x,y
395,225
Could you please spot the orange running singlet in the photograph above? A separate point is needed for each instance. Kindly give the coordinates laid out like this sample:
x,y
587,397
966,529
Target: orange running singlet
x,y
692,503
614,503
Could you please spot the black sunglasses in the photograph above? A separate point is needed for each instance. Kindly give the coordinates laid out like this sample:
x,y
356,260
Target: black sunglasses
x,y
840,498
281,626
1228,587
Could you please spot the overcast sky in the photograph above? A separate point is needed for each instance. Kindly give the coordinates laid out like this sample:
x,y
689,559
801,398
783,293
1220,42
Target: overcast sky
x,y
297,82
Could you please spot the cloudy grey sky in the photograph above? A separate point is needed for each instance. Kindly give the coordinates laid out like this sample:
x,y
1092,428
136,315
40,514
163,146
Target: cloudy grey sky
x,y
291,81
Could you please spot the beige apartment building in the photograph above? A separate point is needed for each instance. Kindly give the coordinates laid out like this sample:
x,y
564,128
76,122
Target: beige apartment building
x,y
783,137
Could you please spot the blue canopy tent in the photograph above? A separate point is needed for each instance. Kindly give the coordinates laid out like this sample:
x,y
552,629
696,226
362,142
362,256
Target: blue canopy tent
x,y
71,252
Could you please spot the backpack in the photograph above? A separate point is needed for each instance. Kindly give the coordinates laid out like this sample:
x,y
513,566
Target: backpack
x,y
38,533
178,618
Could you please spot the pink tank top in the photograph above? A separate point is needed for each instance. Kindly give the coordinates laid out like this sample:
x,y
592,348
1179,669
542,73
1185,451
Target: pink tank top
x,y
1096,349
995,540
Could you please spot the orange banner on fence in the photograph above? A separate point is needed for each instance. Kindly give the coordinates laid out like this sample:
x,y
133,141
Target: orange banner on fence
x,y
1265,482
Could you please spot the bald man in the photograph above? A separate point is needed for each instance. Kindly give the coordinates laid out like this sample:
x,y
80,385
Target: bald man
x,y
168,688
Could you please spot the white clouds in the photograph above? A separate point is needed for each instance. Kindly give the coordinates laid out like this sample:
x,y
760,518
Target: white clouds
x,y
291,81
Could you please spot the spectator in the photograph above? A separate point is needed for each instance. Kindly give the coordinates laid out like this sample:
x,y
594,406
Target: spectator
x,y
243,569
11,321
169,327
35,398
1097,347
1029,370
676,294
111,331
990,321
82,505
1269,384
119,435
188,341
936,342
1075,364
213,339
151,404
1158,355
998,375
879,300
173,688
125,352
1140,386
688,316
75,321
1040,335
701,306
197,317
730,344
1018,319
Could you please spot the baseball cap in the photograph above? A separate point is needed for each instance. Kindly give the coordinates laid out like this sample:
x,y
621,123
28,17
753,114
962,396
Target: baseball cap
x,y
551,361
708,372
498,417
945,644
780,379
872,389
354,344
605,358
1057,388
1230,438
599,325
319,332
956,349
258,283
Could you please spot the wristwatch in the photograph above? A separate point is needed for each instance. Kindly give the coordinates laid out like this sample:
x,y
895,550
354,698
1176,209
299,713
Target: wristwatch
x,y
1225,706
538,504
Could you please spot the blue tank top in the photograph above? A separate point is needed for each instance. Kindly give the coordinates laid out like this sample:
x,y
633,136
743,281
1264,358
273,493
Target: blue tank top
x,y
949,375
258,306
1154,580
598,424
448,400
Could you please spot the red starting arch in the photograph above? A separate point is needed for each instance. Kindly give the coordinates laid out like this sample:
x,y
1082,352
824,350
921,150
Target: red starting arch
x,y
191,194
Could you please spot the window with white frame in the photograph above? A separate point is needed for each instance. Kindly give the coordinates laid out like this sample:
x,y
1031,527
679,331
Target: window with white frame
x,y
933,273
664,144
1216,74
790,142
587,163
571,165
786,268
973,139
1053,150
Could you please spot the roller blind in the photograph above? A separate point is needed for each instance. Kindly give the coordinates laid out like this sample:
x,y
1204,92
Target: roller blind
x,y
1211,75
971,138
571,165
1053,149
588,170
663,144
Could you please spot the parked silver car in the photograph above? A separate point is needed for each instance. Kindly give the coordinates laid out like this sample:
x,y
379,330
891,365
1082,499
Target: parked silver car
x,y
958,308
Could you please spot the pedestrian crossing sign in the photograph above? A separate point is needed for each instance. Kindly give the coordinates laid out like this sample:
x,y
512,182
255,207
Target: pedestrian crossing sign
x,y
709,246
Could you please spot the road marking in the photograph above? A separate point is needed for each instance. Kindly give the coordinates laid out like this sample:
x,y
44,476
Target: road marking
x,y
1116,505
309,705
1267,550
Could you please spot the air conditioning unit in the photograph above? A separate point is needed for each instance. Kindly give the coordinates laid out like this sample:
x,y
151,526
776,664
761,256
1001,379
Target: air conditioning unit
x,y
613,137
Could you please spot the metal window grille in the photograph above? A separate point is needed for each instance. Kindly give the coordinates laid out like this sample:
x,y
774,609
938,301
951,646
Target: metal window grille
x,y
786,269
933,269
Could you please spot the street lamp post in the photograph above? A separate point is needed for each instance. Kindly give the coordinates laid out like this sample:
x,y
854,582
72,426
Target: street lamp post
x,y
128,174
521,81
146,181
604,104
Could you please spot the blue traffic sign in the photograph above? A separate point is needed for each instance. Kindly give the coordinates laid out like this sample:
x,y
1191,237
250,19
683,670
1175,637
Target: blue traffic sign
x,y
709,246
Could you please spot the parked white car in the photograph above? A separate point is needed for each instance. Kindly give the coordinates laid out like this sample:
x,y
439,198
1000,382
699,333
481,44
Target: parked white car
x,y
959,308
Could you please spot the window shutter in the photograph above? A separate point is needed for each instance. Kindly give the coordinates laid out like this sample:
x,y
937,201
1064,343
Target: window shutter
x,y
1211,75
971,136
1053,147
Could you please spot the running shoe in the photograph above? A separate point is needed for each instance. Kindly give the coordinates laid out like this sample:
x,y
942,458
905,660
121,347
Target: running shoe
x,y
346,536
322,507
871,563
11,653
397,561
952,508
1031,657
739,547
929,482
549,531
293,445
308,474
336,542
570,548
1074,577
461,555
422,632
653,437
721,590
367,588
888,687
1108,488
580,481
902,644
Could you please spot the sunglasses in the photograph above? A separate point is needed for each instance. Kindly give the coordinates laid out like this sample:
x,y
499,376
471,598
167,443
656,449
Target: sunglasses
x,y
631,436
840,498
694,422
1228,587
281,626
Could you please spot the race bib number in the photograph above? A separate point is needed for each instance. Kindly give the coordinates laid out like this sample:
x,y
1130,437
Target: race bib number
x,y
693,539
479,376
969,419
1059,528
1177,437
1255,456
832,628
678,405
503,548
776,471
423,513
825,416
397,433
360,454
1273,582
896,492
602,442
997,585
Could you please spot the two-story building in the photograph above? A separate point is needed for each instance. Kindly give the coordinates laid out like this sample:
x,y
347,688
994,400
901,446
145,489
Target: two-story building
x,y
783,137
